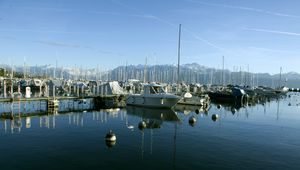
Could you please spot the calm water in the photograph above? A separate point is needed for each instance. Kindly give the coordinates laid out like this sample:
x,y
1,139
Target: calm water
x,y
256,137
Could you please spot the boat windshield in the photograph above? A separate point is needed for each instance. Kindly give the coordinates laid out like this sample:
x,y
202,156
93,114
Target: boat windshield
x,y
156,89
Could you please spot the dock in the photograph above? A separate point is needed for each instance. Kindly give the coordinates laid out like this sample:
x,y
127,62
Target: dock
x,y
48,105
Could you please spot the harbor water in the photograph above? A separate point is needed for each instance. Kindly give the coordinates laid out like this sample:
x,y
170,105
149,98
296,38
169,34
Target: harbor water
x,y
260,136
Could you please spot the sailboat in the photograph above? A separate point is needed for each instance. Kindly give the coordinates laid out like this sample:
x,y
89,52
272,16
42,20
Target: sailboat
x,y
281,89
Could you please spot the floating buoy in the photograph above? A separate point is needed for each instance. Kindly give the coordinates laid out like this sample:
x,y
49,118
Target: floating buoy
x,y
219,106
142,125
192,121
289,104
233,110
110,136
215,117
197,111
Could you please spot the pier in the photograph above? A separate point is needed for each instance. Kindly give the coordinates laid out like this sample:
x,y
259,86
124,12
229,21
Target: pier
x,y
12,107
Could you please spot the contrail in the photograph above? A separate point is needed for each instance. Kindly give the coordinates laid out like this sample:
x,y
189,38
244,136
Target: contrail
x,y
171,24
203,40
53,43
271,50
247,9
273,31
82,11
42,31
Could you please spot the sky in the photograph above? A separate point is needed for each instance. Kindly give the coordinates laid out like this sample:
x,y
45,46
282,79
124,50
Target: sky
x,y
260,35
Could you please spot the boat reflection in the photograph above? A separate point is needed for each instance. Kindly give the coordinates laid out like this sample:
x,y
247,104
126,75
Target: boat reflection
x,y
153,113
187,109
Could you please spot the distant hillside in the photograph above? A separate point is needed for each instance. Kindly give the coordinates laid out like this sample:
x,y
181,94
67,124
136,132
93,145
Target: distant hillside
x,y
190,73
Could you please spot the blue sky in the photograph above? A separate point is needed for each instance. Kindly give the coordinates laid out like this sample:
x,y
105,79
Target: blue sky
x,y
262,34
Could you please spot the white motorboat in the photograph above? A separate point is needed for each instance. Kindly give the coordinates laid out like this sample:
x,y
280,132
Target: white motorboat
x,y
153,95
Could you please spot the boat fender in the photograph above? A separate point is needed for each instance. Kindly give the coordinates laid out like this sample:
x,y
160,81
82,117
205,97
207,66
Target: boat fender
x,y
161,101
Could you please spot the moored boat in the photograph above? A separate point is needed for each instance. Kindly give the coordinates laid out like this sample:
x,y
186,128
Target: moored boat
x,y
153,95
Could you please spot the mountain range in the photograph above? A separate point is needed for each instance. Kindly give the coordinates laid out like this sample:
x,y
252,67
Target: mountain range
x,y
189,73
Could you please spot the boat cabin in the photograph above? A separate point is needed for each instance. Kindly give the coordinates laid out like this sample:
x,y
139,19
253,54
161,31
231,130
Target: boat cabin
x,y
153,89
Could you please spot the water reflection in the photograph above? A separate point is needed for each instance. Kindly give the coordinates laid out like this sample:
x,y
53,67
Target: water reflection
x,y
154,116
163,139
189,109
47,121
153,119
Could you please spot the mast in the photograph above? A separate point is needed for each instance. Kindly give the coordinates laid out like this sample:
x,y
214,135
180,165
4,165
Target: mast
x,y
145,71
222,70
178,69
24,68
54,70
280,77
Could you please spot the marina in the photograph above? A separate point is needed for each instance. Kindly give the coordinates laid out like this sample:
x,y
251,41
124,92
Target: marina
x,y
193,84
239,140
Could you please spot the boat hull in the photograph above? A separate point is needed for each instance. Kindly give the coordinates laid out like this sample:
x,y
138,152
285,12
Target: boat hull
x,y
156,101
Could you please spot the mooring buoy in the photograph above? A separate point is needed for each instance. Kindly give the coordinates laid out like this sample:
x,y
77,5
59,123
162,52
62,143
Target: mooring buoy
x,y
233,110
215,117
219,106
142,125
110,136
192,121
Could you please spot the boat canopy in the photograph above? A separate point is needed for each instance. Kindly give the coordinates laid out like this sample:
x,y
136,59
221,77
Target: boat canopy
x,y
153,88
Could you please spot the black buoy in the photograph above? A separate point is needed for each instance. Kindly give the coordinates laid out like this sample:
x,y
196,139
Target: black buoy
x,y
142,125
110,137
192,121
197,111
219,106
215,117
